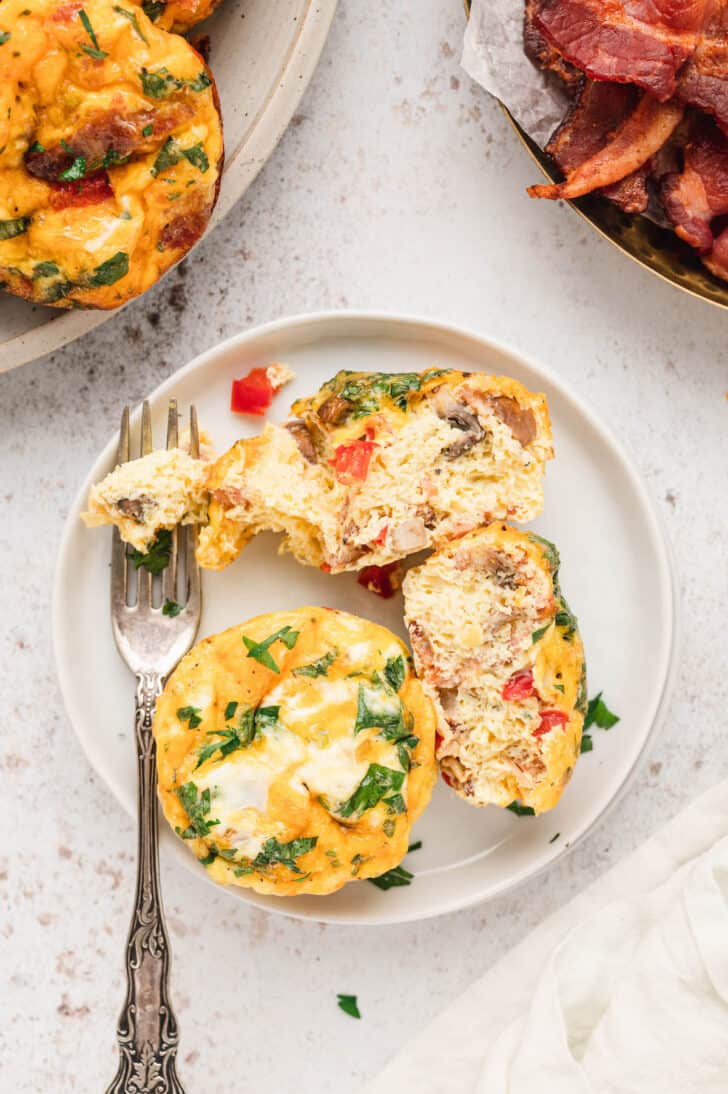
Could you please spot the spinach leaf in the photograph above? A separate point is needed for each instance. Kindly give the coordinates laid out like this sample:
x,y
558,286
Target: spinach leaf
x,y
377,782
171,608
521,810
157,557
599,714
259,651
392,879
110,271
319,667
197,157
197,807
395,672
286,854
348,1004
191,715
11,228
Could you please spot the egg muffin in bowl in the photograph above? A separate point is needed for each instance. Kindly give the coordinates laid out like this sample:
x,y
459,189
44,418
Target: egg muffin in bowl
x,y
295,751
110,151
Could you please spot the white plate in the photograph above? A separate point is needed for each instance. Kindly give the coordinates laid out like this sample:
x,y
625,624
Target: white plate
x,y
263,55
616,574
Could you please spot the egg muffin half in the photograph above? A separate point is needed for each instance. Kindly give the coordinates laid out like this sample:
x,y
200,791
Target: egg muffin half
x,y
110,151
499,652
295,751
376,466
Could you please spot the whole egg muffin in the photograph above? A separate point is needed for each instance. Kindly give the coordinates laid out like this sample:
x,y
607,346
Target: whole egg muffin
x,y
376,466
499,652
110,151
295,751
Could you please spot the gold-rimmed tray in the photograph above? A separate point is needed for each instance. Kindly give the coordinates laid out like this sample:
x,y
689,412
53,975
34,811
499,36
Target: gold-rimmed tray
x,y
656,248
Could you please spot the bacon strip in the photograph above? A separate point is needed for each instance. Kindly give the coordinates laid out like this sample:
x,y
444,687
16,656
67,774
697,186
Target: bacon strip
x,y
717,260
704,79
636,140
542,53
643,42
693,198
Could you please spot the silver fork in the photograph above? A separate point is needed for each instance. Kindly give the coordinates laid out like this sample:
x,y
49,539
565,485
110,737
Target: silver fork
x,y
151,643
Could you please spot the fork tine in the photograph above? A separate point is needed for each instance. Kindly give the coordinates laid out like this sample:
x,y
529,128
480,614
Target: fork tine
x,y
194,593
119,563
144,578
170,573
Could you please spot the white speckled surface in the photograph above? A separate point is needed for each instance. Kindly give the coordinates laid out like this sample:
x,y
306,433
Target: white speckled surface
x,y
398,186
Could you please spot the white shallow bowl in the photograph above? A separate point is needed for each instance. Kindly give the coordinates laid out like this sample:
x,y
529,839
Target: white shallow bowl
x,y
616,573
263,54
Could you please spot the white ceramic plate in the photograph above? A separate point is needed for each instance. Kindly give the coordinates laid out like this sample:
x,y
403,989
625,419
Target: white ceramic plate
x,y
616,573
263,55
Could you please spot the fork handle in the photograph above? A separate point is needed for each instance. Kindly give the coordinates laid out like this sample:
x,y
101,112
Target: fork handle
x,y
147,1029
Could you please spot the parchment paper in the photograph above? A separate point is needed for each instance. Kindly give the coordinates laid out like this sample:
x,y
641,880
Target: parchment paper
x,y
493,55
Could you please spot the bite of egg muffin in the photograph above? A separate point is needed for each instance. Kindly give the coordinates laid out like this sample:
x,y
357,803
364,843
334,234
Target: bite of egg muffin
x,y
499,652
295,751
110,150
376,466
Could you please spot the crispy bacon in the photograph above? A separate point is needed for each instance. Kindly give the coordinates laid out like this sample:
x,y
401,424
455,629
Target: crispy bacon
x,y
637,139
704,79
693,198
642,42
542,53
717,260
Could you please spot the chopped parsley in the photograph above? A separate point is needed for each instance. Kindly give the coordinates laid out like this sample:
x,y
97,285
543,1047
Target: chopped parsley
x,y
550,550
45,269
171,608
77,170
134,22
414,846
319,667
348,1004
93,50
159,84
286,854
395,672
153,9
147,130
35,147
396,804
392,879
378,782
4,37
197,157
110,271
521,810
157,557
251,723
260,651
554,838
364,392
171,153
199,83
11,228
208,859
192,715
599,714
395,725
230,709
197,807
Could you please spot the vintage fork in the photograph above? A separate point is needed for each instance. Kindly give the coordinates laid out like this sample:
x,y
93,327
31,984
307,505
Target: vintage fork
x,y
151,643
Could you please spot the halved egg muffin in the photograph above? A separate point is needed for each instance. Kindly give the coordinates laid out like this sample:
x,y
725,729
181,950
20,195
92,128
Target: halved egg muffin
x,y
110,151
178,15
376,466
295,751
498,650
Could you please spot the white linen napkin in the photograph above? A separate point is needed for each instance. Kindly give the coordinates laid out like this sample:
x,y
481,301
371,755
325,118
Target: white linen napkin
x,y
624,990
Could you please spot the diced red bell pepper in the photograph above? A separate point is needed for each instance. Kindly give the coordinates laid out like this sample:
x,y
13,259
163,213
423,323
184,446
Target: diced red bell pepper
x,y
519,686
549,720
252,394
446,778
382,580
87,191
66,12
381,536
351,461
438,741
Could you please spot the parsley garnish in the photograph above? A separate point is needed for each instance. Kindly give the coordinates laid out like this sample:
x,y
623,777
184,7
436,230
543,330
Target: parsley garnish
x,y
599,714
554,838
348,1004
168,155
157,557
199,83
550,551
539,634
197,807
193,715
110,271
368,717
171,608
377,782
414,846
395,672
159,84
251,723
197,157
77,170
134,22
230,709
4,36
521,810
36,146
45,269
11,228
153,9
93,50
259,651
396,804
274,852
147,130
208,859
586,743
317,668
392,879
365,392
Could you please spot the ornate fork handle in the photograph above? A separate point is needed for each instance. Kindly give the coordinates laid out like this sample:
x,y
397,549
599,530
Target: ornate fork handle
x,y
147,1030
